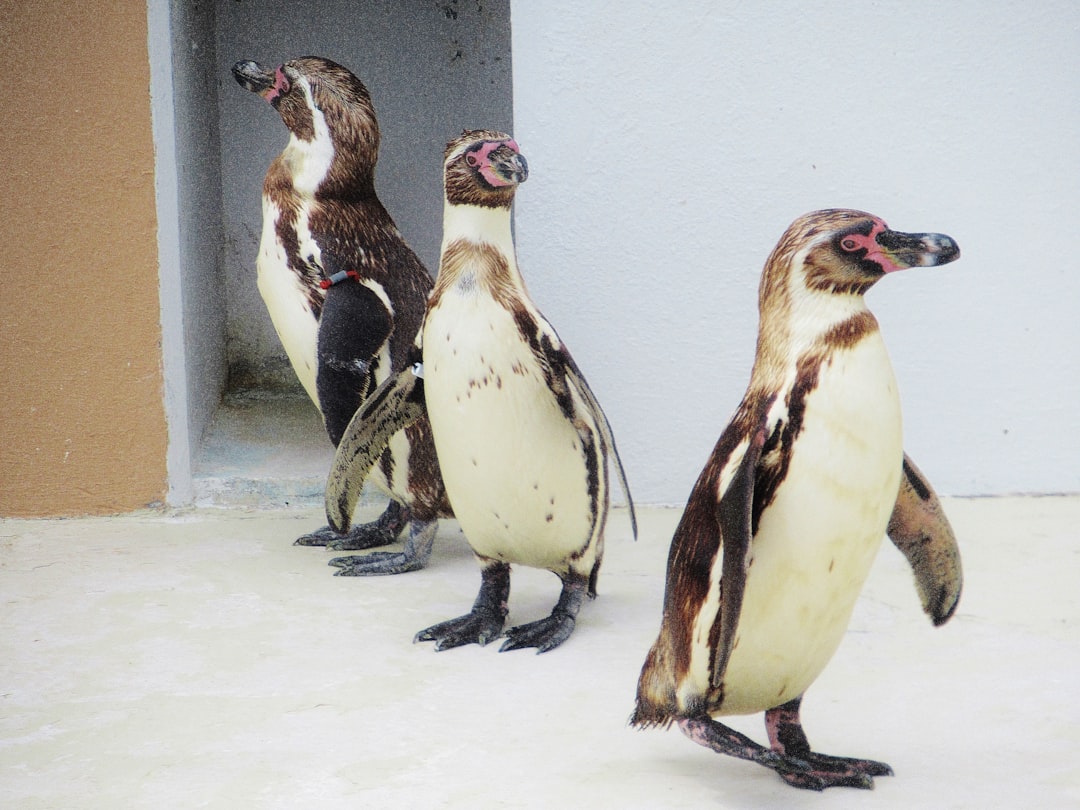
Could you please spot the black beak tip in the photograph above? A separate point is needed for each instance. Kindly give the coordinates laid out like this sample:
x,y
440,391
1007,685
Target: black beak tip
x,y
250,75
948,251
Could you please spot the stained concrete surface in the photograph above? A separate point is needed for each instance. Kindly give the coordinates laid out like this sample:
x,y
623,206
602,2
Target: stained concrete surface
x,y
263,450
198,659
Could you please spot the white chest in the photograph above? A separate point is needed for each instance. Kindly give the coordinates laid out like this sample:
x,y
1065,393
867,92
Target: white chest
x,y
817,540
286,299
514,467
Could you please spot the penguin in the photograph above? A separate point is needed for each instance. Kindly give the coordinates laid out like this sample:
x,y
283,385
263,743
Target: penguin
x,y
345,292
523,444
786,517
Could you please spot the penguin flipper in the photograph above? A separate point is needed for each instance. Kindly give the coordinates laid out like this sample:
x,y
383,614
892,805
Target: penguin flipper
x,y
578,381
920,529
734,515
394,405
354,326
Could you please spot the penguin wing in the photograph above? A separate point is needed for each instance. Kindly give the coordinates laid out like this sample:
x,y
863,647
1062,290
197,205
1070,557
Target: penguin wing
x,y
354,327
577,380
394,405
734,519
920,529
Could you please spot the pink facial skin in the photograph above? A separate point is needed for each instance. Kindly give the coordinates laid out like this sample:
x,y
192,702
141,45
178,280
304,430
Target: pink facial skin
x,y
481,159
281,85
874,253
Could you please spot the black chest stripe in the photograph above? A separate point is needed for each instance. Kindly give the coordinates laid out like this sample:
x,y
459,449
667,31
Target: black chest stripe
x,y
558,366
916,482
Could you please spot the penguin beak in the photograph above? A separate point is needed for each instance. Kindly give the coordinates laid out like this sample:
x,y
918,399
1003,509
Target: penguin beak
x,y
898,251
509,166
252,76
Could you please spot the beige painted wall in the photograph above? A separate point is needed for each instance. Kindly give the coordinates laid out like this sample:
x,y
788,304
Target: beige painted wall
x,y
82,425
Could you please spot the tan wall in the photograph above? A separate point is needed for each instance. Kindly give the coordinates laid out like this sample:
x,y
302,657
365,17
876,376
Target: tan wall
x,y
82,424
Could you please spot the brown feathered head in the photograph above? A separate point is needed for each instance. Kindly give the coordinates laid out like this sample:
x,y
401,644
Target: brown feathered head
x,y
325,107
483,167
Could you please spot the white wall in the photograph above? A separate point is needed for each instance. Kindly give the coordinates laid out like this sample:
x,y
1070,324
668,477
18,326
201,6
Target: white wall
x,y
670,146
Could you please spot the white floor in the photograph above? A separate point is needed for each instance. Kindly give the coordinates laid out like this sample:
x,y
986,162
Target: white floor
x,y
200,660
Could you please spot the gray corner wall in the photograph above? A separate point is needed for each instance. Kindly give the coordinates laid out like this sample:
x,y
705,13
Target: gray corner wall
x,y
432,67
183,91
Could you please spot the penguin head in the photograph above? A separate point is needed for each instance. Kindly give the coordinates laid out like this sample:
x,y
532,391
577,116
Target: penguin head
x,y
483,167
324,106
841,251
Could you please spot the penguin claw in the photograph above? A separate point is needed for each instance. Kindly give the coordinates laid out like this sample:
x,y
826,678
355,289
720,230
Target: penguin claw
x,y
380,532
545,634
475,627
413,557
801,767
377,563
817,781
819,771
368,535
319,537
358,541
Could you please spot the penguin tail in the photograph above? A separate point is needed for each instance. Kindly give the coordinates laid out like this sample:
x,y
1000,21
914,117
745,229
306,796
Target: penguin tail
x,y
657,705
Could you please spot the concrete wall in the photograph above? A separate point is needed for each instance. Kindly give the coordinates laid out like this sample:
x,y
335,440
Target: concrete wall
x,y
83,427
670,146
183,86
432,68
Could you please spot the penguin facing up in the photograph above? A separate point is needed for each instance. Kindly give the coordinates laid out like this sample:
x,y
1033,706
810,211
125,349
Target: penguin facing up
x,y
345,292
781,528
523,444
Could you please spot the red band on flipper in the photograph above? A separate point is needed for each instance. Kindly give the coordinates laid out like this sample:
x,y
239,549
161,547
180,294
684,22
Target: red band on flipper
x,y
337,278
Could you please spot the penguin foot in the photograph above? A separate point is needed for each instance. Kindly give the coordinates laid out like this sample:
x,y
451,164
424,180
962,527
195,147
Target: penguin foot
x,y
820,771
475,627
481,624
723,740
547,634
367,535
381,532
815,771
413,557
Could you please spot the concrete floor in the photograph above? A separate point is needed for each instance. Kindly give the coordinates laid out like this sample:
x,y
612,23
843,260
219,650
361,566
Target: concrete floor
x,y
198,659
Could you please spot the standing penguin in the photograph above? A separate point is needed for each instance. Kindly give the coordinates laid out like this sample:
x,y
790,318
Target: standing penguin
x,y
522,442
786,518
345,293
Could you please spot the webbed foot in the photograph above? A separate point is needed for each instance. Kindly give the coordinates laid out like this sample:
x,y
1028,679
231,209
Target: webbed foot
x,y
481,624
548,633
816,771
545,634
723,740
413,557
475,627
823,771
380,532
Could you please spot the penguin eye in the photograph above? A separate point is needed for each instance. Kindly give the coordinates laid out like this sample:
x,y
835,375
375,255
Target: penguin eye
x,y
849,244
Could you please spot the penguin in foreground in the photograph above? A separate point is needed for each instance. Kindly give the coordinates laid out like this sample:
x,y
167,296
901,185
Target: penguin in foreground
x,y
345,292
787,516
523,444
